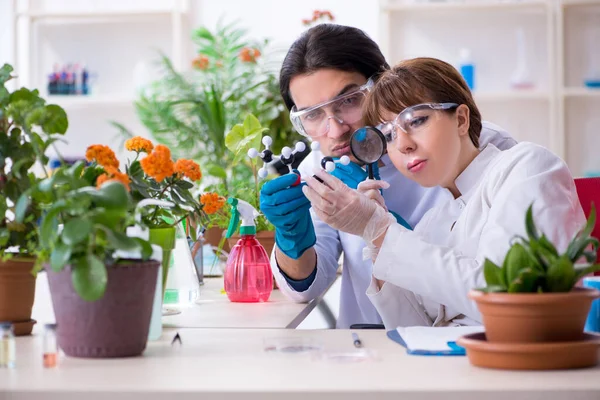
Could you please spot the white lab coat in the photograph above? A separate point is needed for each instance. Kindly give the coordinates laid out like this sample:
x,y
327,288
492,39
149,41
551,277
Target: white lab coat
x,y
442,259
405,197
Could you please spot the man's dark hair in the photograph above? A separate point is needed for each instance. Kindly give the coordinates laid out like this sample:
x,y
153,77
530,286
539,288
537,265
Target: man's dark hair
x,y
330,46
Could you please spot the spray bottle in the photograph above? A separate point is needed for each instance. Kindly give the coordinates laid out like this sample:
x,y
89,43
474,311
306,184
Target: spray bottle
x,y
248,276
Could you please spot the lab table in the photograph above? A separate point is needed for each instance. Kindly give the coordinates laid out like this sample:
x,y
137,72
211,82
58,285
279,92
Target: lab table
x,y
231,364
213,309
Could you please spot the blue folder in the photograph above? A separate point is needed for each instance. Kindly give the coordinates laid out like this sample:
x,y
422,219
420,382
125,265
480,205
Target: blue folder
x,y
455,349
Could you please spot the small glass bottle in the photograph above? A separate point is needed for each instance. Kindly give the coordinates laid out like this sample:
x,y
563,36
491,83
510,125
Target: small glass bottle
x,y
8,354
50,346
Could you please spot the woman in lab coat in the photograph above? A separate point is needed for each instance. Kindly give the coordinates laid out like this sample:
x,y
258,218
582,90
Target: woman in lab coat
x,y
432,124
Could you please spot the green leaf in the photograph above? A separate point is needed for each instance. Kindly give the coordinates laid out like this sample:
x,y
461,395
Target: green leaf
x,y
5,72
185,185
4,96
76,169
492,274
49,226
112,195
21,206
516,260
216,171
60,256
145,246
4,236
525,282
530,225
561,275
89,277
121,241
55,120
591,222
76,231
110,219
581,272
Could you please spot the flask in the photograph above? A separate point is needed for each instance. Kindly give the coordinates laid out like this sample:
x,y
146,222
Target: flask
x,y
7,346
248,275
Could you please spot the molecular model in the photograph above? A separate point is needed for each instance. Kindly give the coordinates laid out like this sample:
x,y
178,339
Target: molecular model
x,y
287,156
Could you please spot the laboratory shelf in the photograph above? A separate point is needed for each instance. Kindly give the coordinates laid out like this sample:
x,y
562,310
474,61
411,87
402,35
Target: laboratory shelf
x,y
512,95
532,5
581,92
93,17
69,101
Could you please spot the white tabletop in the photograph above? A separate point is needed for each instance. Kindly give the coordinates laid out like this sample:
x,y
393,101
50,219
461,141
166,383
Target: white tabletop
x,y
212,309
232,364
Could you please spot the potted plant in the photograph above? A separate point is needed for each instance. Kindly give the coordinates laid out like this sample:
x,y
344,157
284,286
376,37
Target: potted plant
x,y
154,175
102,301
532,297
28,126
241,138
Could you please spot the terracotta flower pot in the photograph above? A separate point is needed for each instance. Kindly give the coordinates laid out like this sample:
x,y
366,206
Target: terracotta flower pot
x,y
114,326
534,317
17,292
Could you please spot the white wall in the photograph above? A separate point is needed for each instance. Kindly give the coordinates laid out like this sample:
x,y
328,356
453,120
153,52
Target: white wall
x,y
112,50
281,20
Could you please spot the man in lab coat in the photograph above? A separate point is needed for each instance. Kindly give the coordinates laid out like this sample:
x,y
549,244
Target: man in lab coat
x,y
323,81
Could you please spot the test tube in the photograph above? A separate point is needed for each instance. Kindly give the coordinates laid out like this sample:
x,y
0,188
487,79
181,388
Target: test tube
x,y
8,355
50,346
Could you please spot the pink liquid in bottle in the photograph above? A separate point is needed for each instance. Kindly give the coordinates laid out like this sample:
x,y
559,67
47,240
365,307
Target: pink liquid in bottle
x,y
248,276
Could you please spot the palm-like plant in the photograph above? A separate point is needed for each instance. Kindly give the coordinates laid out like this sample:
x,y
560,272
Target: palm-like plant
x,y
192,112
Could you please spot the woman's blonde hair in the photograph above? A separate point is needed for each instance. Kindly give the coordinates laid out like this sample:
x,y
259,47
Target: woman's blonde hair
x,y
421,80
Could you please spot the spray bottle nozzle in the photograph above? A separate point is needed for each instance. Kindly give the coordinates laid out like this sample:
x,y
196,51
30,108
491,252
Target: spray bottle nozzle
x,y
247,213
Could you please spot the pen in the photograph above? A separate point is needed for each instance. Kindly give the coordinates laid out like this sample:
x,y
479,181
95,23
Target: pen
x,y
357,342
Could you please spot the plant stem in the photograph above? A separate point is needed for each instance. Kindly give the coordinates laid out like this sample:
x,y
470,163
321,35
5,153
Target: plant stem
x,y
254,173
169,184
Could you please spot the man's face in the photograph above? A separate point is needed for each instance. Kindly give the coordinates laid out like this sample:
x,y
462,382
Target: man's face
x,y
308,90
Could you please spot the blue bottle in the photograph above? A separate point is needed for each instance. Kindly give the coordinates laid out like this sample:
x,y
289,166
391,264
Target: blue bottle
x,y
467,68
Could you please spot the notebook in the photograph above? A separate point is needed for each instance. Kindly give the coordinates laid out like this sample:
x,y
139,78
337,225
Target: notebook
x,y
438,341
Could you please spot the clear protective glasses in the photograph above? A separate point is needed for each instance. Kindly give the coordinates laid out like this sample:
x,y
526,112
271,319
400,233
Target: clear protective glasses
x,y
314,121
413,120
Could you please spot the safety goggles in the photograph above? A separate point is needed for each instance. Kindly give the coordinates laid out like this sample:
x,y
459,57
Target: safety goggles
x,y
345,109
413,120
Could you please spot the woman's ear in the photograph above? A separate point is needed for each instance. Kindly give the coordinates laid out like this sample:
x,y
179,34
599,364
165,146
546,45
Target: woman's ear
x,y
463,115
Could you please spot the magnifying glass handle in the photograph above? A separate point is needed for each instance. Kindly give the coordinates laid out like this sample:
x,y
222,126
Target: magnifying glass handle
x,y
370,171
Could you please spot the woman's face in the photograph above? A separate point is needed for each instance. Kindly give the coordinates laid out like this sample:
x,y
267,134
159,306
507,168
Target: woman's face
x,y
428,152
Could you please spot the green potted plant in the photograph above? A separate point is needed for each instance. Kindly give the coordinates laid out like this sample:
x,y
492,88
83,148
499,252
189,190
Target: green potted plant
x,y
102,300
241,138
152,174
532,297
28,126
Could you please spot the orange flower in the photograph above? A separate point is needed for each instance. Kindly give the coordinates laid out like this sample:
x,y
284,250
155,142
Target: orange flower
x,y
212,202
249,54
103,155
200,62
158,164
113,174
188,168
139,144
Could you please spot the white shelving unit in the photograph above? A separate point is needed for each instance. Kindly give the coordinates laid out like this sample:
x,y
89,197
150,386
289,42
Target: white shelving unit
x,y
545,114
112,39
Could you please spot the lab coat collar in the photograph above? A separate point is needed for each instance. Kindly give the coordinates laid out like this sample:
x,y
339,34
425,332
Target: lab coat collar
x,y
471,176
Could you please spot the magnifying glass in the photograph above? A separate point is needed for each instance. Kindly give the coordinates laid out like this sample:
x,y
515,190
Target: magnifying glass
x,y
368,146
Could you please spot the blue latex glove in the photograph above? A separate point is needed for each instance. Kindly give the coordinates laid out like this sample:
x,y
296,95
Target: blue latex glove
x,y
287,208
352,174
